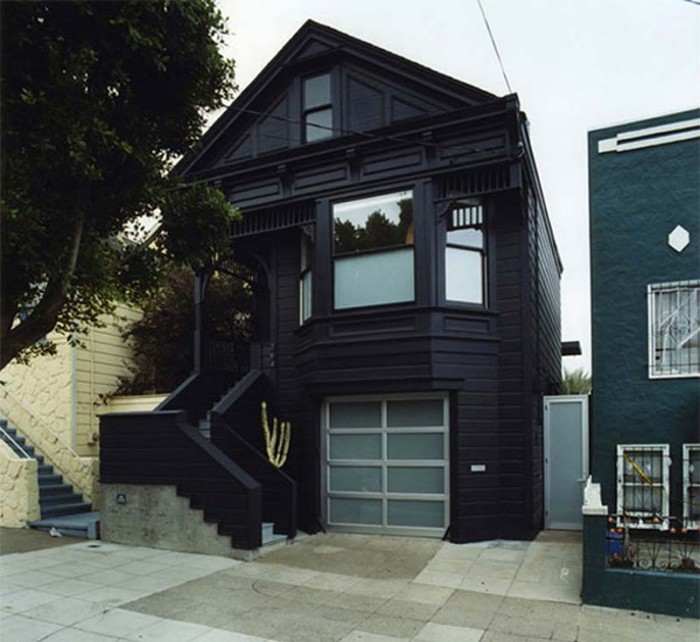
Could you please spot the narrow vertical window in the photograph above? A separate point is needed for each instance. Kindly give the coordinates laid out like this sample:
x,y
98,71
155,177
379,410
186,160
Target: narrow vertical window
x,y
305,275
465,253
317,108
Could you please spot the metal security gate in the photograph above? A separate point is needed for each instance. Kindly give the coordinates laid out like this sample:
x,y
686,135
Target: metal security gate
x,y
565,460
386,464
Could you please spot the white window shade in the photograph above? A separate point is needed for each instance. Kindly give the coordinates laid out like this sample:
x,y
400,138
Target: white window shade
x,y
374,278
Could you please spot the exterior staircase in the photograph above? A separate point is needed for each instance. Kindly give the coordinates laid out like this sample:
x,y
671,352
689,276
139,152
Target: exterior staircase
x,y
61,508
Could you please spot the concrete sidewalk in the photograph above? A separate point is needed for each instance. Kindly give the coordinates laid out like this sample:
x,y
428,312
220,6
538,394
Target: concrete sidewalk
x,y
347,588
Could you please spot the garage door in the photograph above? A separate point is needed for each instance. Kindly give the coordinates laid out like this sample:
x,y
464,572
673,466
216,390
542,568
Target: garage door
x,y
386,465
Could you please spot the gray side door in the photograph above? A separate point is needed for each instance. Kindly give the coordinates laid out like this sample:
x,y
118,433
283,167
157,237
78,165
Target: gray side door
x,y
565,460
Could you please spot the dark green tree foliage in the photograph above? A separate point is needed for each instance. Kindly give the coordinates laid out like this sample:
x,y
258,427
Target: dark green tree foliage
x,y
576,382
98,100
377,231
162,338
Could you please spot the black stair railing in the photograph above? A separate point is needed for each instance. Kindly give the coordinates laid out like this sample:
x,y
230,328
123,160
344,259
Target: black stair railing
x,y
163,448
197,394
238,411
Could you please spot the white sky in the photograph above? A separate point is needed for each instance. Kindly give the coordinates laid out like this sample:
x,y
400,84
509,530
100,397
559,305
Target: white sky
x,y
576,65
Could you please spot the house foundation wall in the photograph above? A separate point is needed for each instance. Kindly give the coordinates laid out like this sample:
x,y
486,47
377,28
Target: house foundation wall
x,y
155,516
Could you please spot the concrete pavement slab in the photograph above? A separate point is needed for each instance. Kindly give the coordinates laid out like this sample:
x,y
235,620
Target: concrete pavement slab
x,y
289,596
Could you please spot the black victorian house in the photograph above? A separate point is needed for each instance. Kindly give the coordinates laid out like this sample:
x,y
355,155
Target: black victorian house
x,y
408,317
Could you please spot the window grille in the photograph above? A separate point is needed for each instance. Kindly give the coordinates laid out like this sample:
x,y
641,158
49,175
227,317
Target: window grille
x,y
643,485
674,329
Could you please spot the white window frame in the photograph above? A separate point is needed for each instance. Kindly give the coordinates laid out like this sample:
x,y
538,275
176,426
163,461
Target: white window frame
x,y
644,518
652,290
687,449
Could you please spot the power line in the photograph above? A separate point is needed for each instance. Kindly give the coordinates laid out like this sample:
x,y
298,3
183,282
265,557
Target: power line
x,y
339,131
495,47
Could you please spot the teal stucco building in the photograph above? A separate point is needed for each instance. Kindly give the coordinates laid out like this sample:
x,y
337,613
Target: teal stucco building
x,y
644,185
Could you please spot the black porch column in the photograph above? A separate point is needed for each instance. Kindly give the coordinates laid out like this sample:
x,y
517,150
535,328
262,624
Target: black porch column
x,y
200,288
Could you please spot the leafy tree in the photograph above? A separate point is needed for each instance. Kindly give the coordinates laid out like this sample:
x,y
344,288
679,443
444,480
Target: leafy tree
x,y
576,382
162,337
98,100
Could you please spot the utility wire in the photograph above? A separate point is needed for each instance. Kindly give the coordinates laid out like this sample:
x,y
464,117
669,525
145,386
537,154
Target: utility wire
x,y
336,130
495,47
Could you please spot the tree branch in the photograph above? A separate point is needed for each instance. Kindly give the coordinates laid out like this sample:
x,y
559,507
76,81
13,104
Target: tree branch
x,y
43,317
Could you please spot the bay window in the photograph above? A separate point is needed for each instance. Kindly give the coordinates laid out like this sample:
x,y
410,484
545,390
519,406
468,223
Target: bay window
x,y
373,250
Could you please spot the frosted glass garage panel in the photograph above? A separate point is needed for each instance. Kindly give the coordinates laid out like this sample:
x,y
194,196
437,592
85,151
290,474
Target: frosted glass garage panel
x,y
416,513
355,479
415,446
410,479
346,510
374,279
355,447
415,413
367,414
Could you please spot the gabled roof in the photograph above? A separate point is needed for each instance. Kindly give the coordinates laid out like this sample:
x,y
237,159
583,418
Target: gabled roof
x,y
315,41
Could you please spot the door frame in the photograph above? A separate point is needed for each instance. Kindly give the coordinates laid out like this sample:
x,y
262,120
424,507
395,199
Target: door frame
x,y
585,463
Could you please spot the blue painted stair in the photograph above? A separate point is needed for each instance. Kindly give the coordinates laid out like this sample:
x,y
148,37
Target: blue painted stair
x,y
61,507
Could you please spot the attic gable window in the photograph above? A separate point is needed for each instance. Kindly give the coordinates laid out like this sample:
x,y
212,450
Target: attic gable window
x,y
317,108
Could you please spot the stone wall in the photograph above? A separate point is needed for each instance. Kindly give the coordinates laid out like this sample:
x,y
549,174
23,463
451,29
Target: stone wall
x,y
81,472
19,489
154,515
45,386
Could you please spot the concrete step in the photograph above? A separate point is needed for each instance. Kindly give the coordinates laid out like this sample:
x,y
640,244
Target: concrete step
x,y
49,490
269,536
47,501
49,480
59,510
77,525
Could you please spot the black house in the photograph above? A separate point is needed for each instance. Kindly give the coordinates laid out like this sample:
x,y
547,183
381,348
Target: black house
x,y
408,322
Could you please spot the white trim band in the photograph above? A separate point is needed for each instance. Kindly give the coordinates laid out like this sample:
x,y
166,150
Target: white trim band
x,y
651,136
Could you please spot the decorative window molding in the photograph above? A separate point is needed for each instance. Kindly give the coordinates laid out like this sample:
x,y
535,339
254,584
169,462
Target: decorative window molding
x,y
674,329
465,253
643,485
373,251
691,485
317,108
651,136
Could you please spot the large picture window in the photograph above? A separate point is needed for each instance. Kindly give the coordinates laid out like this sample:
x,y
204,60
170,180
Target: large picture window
x,y
373,250
465,253
674,329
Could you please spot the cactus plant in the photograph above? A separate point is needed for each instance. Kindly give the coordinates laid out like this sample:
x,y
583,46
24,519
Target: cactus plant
x,y
276,439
